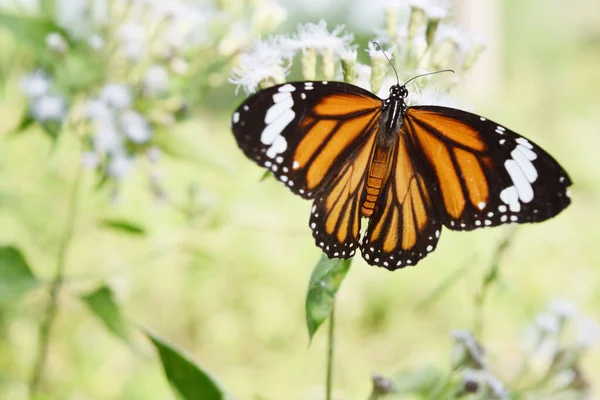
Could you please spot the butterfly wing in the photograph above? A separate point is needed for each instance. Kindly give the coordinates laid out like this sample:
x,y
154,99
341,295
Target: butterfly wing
x,y
404,226
306,132
482,174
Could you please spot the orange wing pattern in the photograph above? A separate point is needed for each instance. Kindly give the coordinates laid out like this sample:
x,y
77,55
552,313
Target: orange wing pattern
x,y
480,173
404,226
305,132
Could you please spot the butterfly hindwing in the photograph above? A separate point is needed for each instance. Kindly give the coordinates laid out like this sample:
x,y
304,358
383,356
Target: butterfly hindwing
x,y
483,174
404,227
305,132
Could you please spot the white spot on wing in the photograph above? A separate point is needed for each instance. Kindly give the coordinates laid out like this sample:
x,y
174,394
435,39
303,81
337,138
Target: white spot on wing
x,y
510,197
481,205
286,88
295,165
525,142
236,117
523,161
520,181
279,146
274,129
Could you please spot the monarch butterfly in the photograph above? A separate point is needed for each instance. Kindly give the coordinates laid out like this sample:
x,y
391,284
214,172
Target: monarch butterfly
x,y
409,170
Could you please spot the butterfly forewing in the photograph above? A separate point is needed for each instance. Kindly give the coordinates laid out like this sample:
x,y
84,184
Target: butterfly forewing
x,y
305,132
483,174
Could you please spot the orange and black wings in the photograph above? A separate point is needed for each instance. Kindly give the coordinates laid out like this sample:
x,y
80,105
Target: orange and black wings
x,y
482,174
405,226
305,132
317,138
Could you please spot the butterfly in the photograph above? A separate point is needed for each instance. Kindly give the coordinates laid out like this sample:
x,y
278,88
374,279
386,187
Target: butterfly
x,y
409,169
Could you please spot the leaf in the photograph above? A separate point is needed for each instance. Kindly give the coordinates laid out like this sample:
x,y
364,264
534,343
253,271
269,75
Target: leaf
x,y
102,303
186,377
325,282
265,176
123,226
16,277
32,32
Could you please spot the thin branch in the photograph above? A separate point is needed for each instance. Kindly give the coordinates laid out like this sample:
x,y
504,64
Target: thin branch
x,y
55,287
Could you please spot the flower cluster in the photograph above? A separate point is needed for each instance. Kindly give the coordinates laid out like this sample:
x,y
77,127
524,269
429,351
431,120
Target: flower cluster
x,y
120,75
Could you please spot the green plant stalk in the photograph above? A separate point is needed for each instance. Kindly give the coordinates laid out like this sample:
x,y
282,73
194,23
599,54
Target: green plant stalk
x,y
55,287
330,348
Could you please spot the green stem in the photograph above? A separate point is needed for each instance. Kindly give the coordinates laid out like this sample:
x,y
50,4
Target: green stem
x,y
330,347
55,287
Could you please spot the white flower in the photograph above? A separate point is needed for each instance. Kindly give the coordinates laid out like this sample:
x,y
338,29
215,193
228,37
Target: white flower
x,y
96,42
266,61
99,111
56,42
48,108
154,154
435,9
90,159
135,126
107,139
588,332
363,76
179,66
496,386
35,84
348,54
547,323
562,308
156,80
317,37
378,53
116,95
466,339
431,95
119,166
133,40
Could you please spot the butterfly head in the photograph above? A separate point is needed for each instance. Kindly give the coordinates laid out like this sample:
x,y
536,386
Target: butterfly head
x,y
398,92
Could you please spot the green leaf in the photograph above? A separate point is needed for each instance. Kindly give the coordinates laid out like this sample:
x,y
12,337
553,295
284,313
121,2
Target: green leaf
x,y
32,32
102,303
16,277
187,378
123,226
266,175
325,282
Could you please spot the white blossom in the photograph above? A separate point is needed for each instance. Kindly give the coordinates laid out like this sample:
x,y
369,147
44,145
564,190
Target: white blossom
x,y
89,159
435,9
378,53
317,37
135,126
588,332
156,80
547,323
119,166
35,84
268,60
48,108
116,95
56,42
99,111
133,40
431,95
107,139
96,42
562,308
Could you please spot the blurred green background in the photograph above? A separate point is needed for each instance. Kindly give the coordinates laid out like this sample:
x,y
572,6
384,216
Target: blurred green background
x,y
229,286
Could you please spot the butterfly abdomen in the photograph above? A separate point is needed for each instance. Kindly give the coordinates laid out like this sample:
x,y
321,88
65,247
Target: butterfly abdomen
x,y
378,171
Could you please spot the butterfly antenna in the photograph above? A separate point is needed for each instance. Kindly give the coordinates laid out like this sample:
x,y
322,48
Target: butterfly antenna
x,y
392,65
428,73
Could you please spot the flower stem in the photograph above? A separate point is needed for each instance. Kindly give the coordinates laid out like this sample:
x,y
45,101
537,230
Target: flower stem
x,y
330,348
55,287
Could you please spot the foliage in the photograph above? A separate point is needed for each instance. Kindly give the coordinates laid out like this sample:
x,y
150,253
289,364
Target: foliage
x,y
125,92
